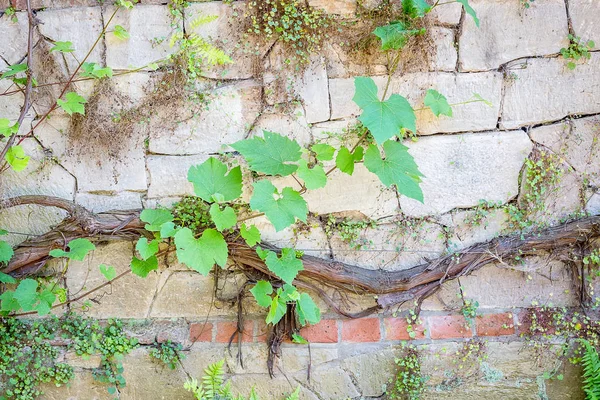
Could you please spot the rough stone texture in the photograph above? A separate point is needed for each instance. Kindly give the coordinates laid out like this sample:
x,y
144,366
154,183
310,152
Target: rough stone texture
x,y
508,31
361,368
342,7
540,283
129,297
466,232
332,383
445,56
146,25
168,175
342,63
312,241
25,220
392,247
483,166
107,202
544,90
82,387
13,46
276,388
449,14
314,91
593,204
231,111
125,172
292,124
585,17
10,105
84,27
456,88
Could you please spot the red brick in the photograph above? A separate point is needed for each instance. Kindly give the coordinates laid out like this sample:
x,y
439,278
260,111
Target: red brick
x,y
396,329
326,331
226,329
449,326
262,331
201,332
361,330
495,325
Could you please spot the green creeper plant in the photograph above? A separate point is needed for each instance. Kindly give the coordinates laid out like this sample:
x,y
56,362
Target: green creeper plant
x,y
168,353
577,50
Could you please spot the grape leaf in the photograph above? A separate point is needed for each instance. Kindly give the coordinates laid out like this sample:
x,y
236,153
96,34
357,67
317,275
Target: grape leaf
x,y
14,70
78,249
314,178
108,271
201,254
261,292
270,155
7,129
143,267
251,235
211,180
26,294
308,311
9,303
93,70
168,230
223,219
281,209
398,168
298,339
121,33
6,252
6,278
155,218
285,267
63,47
469,10
145,248
394,36
324,151
16,158
46,298
415,8
438,103
277,310
74,103
345,160
384,119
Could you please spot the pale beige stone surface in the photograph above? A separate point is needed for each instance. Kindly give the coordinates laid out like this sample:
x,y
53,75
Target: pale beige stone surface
x,y
26,221
585,17
13,46
168,175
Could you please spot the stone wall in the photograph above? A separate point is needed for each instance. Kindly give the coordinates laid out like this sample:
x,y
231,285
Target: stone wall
x,y
512,60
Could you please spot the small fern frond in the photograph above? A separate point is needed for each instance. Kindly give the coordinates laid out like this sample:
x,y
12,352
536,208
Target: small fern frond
x,y
213,379
295,394
590,362
202,20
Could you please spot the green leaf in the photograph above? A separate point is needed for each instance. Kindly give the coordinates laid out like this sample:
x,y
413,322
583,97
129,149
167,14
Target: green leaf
x,y
262,293
469,10
93,70
345,161
438,103
223,219
63,47
5,278
7,129
14,70
384,119
251,235
16,158
168,230
73,103
286,267
314,178
26,294
201,254
46,298
121,33
298,339
78,249
142,268
6,252
415,8
145,248
398,168
108,271
9,303
211,180
155,218
277,310
270,155
324,152
281,209
308,311
395,35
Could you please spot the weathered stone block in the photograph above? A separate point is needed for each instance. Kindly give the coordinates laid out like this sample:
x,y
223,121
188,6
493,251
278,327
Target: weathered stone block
x,y
84,27
585,17
107,202
293,125
149,27
467,229
268,388
82,387
331,382
372,371
593,204
500,287
447,14
314,91
475,167
508,31
229,115
128,297
10,105
341,7
457,88
95,172
312,241
23,221
168,175
13,46
543,90
445,55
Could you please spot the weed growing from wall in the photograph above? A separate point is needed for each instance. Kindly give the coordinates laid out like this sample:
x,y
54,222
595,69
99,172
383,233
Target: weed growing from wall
x,y
577,50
